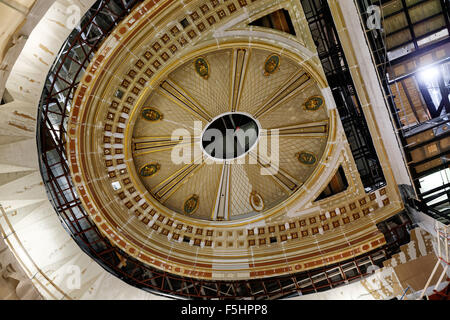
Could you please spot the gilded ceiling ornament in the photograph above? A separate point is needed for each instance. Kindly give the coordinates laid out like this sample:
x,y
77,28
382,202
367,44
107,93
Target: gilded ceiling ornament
x,y
149,169
191,204
306,158
202,67
272,64
256,201
152,114
313,103
264,165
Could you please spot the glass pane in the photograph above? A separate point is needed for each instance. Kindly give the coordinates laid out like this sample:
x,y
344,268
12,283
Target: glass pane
x,y
434,180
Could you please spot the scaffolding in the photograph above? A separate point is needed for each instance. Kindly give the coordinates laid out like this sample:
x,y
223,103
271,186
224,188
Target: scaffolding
x,y
436,201
60,86
442,253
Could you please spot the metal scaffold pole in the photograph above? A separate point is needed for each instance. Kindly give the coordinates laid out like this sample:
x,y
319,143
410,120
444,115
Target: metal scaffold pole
x,y
442,240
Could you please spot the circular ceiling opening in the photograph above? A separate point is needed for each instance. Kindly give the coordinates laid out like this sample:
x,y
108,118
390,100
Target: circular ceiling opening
x,y
230,136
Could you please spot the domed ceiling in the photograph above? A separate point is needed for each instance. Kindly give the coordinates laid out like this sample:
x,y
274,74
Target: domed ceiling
x,y
199,144
169,127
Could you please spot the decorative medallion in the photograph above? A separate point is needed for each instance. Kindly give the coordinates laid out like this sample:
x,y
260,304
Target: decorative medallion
x,y
256,201
202,67
272,64
191,204
149,170
306,158
151,114
313,103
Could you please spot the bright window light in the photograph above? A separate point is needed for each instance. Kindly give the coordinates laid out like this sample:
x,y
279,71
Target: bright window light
x,y
434,180
429,74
